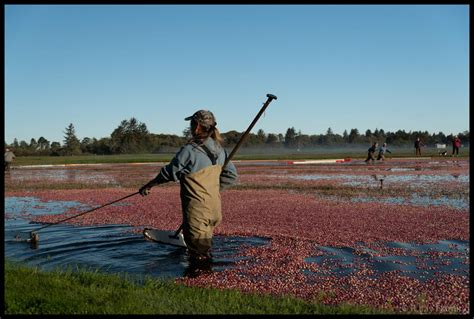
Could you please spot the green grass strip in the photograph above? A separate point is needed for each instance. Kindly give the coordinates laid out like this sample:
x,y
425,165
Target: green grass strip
x,y
266,155
29,290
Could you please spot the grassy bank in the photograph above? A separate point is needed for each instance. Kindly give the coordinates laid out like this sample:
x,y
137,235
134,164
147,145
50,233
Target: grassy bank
x,y
270,154
31,291
92,159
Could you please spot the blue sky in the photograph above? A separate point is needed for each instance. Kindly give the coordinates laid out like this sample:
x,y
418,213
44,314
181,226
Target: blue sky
x,y
338,66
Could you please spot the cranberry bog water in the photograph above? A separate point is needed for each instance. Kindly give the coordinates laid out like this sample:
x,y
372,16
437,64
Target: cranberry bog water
x,y
391,235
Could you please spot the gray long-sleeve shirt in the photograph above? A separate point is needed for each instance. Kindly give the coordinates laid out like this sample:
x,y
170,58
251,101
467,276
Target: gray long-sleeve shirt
x,y
192,158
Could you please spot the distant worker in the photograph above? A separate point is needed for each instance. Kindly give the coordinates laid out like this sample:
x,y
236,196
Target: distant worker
x,y
418,145
9,157
456,145
371,152
382,152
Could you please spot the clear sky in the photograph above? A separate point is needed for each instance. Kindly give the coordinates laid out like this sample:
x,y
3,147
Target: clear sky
x,y
389,67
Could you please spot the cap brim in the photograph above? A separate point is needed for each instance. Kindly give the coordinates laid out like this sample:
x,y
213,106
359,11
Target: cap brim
x,y
188,118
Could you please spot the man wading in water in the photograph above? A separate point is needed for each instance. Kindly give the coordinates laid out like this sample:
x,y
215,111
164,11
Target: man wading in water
x,y
198,168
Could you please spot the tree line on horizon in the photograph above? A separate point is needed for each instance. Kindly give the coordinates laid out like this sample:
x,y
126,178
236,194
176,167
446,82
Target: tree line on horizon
x,y
133,137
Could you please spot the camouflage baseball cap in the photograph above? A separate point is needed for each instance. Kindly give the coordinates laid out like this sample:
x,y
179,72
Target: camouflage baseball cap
x,y
203,117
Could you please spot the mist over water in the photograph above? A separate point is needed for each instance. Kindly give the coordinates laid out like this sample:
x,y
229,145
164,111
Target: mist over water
x,y
359,150
304,150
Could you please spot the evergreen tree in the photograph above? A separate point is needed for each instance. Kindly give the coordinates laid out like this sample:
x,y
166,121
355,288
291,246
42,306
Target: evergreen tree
x,y
260,137
290,137
130,137
353,135
345,136
72,146
33,144
272,139
329,138
231,137
56,149
101,146
86,144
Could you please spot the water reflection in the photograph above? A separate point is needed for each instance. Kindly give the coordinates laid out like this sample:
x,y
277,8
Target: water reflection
x,y
361,180
69,175
418,200
420,261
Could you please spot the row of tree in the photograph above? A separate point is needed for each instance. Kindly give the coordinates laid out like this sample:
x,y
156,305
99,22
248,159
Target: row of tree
x,y
133,137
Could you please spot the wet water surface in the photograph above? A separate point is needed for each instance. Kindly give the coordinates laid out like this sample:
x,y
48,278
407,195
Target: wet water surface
x,y
62,175
420,261
119,249
110,248
355,180
417,200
